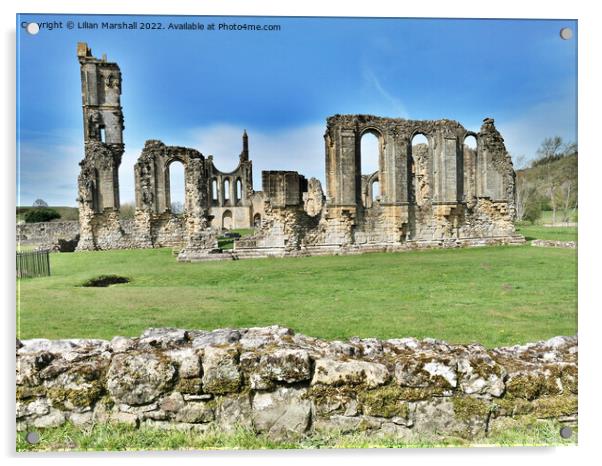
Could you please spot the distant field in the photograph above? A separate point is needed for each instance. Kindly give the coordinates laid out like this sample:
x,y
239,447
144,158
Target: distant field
x,y
493,295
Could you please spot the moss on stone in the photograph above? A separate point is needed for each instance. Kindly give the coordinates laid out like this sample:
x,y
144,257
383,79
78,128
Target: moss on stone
x,y
189,386
484,370
527,386
107,401
555,407
81,397
222,386
420,393
324,393
467,407
509,406
90,372
386,401
569,379
24,392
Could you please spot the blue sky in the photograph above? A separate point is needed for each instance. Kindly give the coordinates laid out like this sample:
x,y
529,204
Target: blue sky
x,y
202,88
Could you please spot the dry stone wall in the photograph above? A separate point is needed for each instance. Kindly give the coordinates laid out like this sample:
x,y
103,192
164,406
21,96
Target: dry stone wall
x,y
277,382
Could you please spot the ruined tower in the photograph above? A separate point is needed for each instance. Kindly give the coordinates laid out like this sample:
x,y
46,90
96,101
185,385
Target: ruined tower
x,y
98,182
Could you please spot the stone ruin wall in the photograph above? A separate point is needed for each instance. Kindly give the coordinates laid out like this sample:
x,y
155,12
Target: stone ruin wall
x,y
442,194
274,381
55,236
155,225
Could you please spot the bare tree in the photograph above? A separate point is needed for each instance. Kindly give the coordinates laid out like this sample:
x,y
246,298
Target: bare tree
x,y
551,149
525,193
568,188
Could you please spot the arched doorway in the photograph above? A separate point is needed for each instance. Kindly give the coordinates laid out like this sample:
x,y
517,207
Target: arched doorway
x,y
419,147
227,220
469,166
176,190
370,156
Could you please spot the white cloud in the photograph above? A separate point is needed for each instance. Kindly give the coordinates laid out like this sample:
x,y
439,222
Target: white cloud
x,y
394,103
50,171
300,148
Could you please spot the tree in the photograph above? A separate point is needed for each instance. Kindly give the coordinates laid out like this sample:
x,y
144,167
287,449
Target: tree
x,y
532,212
127,210
551,150
40,203
41,214
524,186
526,195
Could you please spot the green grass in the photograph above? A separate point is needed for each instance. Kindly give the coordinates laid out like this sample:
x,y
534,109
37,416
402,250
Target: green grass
x,y
531,232
547,217
115,437
493,295
228,243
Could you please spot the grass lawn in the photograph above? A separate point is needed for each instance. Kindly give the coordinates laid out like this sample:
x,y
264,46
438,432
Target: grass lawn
x,y
116,437
531,232
547,217
493,295
228,243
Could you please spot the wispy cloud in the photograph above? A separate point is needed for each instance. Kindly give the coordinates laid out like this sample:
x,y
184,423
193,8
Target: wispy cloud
x,y
396,105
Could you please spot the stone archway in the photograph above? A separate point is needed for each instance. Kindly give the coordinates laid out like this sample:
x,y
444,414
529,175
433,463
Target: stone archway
x,y
227,220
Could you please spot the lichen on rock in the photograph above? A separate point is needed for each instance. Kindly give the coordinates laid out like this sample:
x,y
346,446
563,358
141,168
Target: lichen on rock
x,y
274,381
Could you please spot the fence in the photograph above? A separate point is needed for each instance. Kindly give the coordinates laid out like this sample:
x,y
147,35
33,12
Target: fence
x,y
33,264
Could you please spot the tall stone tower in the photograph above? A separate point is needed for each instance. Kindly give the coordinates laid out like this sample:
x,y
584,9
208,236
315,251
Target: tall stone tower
x,y
98,182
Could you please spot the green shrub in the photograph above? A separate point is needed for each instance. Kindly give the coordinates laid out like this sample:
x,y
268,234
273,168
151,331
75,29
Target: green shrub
x,y
42,214
532,212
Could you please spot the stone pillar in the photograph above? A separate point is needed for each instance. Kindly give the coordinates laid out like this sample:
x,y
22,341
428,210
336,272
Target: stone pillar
x,y
200,238
98,182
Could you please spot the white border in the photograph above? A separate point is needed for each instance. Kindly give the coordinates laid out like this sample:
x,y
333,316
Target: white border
x,y
589,252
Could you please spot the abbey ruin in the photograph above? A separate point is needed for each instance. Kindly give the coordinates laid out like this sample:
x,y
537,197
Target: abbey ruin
x,y
438,194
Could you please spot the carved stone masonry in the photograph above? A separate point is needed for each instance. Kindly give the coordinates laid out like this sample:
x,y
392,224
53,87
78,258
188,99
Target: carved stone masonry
x,y
442,193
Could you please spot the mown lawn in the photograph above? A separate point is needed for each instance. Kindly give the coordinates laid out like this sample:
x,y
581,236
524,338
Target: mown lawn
x,y
494,295
531,232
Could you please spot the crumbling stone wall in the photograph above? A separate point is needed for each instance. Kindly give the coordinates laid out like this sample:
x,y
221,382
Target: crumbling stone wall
x,y
155,224
438,194
54,236
281,383
442,193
